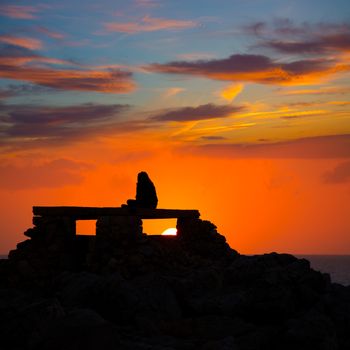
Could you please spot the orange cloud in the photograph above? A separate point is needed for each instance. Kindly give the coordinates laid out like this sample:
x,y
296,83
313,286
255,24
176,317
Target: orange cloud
x,y
18,11
173,92
13,66
17,56
149,24
339,103
20,60
28,43
108,82
56,173
340,174
320,91
284,37
319,147
231,92
202,112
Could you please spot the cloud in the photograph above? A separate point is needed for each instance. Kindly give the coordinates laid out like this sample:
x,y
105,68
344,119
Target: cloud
x,y
303,113
173,91
213,138
14,64
18,11
287,37
31,125
99,81
334,90
202,112
28,43
191,56
56,115
25,89
147,3
149,24
339,42
50,174
339,103
253,68
325,44
5,93
231,91
50,33
319,147
340,174
19,56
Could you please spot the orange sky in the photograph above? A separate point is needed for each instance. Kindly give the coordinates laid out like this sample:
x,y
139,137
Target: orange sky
x,y
297,205
239,111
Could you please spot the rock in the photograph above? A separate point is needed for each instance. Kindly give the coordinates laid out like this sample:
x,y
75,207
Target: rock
x,y
117,229
118,291
206,328
313,331
227,343
80,329
31,318
25,269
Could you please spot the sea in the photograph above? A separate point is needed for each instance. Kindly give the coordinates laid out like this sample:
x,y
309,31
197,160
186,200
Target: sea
x,y
338,266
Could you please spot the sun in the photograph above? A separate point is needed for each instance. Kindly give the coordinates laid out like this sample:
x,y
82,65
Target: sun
x,y
170,232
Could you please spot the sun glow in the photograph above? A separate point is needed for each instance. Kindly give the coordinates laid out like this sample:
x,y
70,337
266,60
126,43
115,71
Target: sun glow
x,y
170,232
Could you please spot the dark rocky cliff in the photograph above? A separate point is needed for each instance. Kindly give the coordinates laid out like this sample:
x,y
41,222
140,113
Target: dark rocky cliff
x,y
150,292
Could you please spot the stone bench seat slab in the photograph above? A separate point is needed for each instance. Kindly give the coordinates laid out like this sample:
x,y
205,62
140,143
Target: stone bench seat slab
x,y
93,213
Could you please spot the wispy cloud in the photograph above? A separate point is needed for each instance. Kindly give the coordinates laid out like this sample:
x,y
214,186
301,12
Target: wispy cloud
x,y
231,92
17,56
254,68
194,56
202,112
331,90
5,93
48,116
50,33
98,81
338,175
319,147
213,138
13,90
49,174
149,24
318,52
28,43
14,65
30,125
18,11
287,37
303,114
147,3
173,91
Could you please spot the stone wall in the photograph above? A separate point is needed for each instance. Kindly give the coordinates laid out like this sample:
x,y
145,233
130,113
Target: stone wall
x,y
119,228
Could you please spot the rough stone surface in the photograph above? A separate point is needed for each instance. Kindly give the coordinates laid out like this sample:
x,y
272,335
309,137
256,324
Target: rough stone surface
x,y
125,290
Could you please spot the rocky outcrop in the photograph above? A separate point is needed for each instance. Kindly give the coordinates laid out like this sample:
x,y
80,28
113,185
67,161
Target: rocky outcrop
x,y
186,292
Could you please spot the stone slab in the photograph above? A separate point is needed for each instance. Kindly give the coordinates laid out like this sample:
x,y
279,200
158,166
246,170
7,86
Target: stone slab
x,y
93,213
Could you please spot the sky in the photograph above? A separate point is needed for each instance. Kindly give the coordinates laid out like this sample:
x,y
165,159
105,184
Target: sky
x,y
239,109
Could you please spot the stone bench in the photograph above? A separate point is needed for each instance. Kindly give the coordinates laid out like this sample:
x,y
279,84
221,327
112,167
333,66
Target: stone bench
x,y
62,220
93,213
